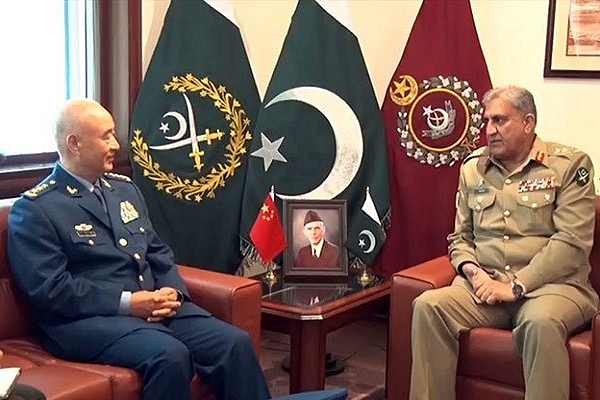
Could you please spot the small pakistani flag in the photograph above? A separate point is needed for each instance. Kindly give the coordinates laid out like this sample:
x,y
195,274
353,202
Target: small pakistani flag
x,y
190,132
371,235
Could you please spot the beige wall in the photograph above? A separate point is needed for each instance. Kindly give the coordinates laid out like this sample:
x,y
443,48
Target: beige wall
x,y
512,34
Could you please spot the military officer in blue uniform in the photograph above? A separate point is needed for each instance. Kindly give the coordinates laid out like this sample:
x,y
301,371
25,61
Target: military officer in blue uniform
x,y
523,234
104,287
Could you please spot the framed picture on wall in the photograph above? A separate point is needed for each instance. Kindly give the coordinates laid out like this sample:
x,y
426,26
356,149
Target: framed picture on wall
x,y
316,231
573,39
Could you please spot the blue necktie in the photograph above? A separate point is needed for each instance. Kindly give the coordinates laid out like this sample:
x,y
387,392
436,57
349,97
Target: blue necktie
x,y
98,192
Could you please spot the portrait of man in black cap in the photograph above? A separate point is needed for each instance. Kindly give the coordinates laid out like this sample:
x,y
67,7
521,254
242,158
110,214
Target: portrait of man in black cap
x,y
319,253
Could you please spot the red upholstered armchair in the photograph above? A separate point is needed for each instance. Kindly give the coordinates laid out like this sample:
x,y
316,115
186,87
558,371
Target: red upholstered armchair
x,y
489,366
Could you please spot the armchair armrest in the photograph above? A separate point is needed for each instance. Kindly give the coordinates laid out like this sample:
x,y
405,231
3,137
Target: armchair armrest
x,y
233,299
595,357
407,285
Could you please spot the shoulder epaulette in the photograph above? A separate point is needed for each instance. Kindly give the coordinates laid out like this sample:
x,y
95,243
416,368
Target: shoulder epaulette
x,y
479,152
118,177
40,189
557,149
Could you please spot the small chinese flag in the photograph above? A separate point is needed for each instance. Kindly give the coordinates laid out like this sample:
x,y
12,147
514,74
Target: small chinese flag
x,y
267,232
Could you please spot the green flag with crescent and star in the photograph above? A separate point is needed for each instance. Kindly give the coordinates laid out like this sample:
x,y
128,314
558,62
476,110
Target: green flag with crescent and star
x,y
190,133
319,133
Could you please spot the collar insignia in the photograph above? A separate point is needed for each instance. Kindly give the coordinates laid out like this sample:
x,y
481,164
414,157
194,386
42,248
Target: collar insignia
x,y
540,156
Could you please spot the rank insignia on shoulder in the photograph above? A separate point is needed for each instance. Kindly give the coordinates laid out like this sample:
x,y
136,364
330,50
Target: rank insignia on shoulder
x,y
582,176
40,189
118,176
565,150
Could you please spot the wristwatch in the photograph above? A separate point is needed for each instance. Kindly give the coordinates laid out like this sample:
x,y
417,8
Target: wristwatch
x,y
517,289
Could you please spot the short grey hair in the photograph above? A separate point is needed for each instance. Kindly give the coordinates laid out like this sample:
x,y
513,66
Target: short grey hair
x,y
520,98
69,120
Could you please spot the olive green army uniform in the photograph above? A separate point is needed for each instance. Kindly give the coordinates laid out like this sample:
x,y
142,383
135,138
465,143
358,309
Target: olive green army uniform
x,y
536,225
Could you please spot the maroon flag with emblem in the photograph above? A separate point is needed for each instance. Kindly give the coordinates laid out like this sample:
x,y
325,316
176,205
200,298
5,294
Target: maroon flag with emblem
x,y
432,114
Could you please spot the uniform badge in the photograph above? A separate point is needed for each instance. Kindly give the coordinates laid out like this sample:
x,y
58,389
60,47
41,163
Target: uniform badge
x,y
128,212
582,176
72,191
85,230
540,156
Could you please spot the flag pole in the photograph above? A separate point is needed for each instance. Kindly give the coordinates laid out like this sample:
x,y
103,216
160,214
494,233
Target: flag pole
x,y
366,277
270,275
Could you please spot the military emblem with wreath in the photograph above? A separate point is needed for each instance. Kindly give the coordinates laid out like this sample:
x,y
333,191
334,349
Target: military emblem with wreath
x,y
205,186
439,120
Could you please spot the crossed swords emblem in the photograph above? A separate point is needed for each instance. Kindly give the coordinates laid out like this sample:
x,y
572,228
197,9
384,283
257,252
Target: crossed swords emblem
x,y
193,139
582,176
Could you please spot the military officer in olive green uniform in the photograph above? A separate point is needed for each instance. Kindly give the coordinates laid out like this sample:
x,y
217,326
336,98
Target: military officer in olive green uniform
x,y
523,234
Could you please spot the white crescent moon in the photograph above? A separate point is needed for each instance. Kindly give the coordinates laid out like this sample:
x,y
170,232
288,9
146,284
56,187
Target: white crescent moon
x,y
372,240
445,122
347,133
182,125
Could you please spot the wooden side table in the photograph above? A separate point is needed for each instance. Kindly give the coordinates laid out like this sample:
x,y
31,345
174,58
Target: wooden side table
x,y
308,312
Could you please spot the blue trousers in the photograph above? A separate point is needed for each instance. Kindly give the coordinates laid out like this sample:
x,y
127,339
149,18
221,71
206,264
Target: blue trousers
x,y
220,353
25,392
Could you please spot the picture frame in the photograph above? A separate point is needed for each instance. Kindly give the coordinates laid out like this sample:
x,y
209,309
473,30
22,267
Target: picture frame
x,y
302,224
572,46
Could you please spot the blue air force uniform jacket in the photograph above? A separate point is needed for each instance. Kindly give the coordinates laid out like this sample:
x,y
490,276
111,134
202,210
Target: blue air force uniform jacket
x,y
73,260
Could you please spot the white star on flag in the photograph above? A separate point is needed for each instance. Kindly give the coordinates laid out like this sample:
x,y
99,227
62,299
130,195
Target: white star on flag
x,y
269,151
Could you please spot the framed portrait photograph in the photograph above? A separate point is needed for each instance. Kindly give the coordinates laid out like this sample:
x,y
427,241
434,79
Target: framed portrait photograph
x,y
573,39
316,231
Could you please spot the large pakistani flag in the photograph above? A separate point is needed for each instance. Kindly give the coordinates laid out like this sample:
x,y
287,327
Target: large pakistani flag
x,y
433,118
319,133
191,131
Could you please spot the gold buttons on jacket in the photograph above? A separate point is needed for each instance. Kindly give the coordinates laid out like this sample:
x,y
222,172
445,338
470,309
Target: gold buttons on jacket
x,y
137,256
142,229
506,213
507,267
534,205
506,237
141,278
123,242
91,242
525,198
508,181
